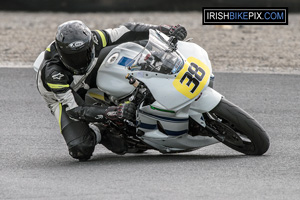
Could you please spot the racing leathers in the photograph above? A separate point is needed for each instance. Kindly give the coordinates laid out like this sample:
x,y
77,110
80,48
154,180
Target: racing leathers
x,y
64,92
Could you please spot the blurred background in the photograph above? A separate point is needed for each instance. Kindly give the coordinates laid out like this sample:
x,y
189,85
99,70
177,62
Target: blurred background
x,y
139,5
28,26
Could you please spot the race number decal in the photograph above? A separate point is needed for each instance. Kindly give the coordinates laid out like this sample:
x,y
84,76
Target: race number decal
x,y
192,78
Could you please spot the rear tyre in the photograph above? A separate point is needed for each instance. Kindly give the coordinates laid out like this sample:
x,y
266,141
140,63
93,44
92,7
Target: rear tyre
x,y
237,129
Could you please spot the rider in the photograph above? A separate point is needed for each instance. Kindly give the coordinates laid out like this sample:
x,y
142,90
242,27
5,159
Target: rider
x,y
68,71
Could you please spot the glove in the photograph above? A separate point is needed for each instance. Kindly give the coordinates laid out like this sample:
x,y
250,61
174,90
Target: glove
x,y
88,113
125,111
92,113
178,31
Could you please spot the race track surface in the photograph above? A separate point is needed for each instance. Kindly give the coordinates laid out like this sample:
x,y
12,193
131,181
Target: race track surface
x,y
35,163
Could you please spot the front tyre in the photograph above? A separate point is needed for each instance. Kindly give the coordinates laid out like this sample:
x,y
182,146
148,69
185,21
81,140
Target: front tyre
x,y
237,129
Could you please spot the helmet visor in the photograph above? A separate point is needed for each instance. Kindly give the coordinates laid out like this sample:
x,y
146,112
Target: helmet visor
x,y
77,62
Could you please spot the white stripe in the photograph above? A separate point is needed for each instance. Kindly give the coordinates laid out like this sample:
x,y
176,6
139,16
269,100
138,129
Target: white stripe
x,y
116,33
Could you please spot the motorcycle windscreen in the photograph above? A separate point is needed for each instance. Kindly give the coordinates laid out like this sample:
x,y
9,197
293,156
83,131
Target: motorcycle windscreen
x,y
176,91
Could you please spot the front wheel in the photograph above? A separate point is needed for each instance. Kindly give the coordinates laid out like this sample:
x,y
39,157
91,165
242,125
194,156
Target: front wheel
x,y
237,129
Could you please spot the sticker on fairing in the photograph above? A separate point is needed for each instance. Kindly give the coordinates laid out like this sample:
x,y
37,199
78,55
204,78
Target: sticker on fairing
x,y
124,61
192,78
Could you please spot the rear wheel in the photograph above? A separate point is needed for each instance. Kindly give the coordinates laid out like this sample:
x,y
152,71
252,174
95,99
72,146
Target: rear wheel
x,y
237,129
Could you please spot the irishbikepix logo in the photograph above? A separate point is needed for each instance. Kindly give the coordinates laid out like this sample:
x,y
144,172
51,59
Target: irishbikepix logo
x,y
245,16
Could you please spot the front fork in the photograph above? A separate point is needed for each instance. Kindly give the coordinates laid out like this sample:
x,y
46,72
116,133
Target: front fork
x,y
199,110
208,100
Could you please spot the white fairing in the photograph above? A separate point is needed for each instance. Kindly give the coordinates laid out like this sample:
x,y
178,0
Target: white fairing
x,y
179,95
168,144
161,85
188,49
111,75
207,101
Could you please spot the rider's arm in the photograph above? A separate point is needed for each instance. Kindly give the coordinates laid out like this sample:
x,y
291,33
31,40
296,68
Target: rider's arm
x,y
129,32
95,113
58,80
136,31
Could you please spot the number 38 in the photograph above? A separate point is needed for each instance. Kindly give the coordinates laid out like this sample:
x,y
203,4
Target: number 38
x,y
195,74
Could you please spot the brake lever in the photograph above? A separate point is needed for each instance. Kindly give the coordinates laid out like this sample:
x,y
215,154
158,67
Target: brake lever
x,y
172,42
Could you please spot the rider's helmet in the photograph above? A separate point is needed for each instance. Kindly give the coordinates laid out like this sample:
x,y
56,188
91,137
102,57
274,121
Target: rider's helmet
x,y
75,46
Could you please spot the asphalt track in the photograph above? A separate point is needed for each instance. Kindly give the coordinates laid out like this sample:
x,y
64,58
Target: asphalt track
x,y
34,162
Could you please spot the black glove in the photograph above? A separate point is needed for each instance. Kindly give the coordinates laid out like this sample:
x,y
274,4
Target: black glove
x,y
93,113
125,111
178,31
88,113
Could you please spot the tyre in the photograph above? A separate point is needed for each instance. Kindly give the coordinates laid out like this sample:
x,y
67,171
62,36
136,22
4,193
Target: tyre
x,y
237,129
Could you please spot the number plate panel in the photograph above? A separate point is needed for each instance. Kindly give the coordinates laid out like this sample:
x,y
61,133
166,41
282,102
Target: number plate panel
x,y
193,77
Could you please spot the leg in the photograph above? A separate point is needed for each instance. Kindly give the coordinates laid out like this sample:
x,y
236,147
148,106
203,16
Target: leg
x,y
80,139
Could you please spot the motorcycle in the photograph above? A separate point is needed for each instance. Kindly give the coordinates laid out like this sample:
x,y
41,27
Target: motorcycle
x,y
171,84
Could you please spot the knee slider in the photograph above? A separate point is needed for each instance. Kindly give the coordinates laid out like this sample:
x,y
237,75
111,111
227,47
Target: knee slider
x,y
82,148
81,140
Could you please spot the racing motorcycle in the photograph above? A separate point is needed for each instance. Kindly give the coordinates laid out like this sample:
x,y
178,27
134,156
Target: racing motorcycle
x,y
171,84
